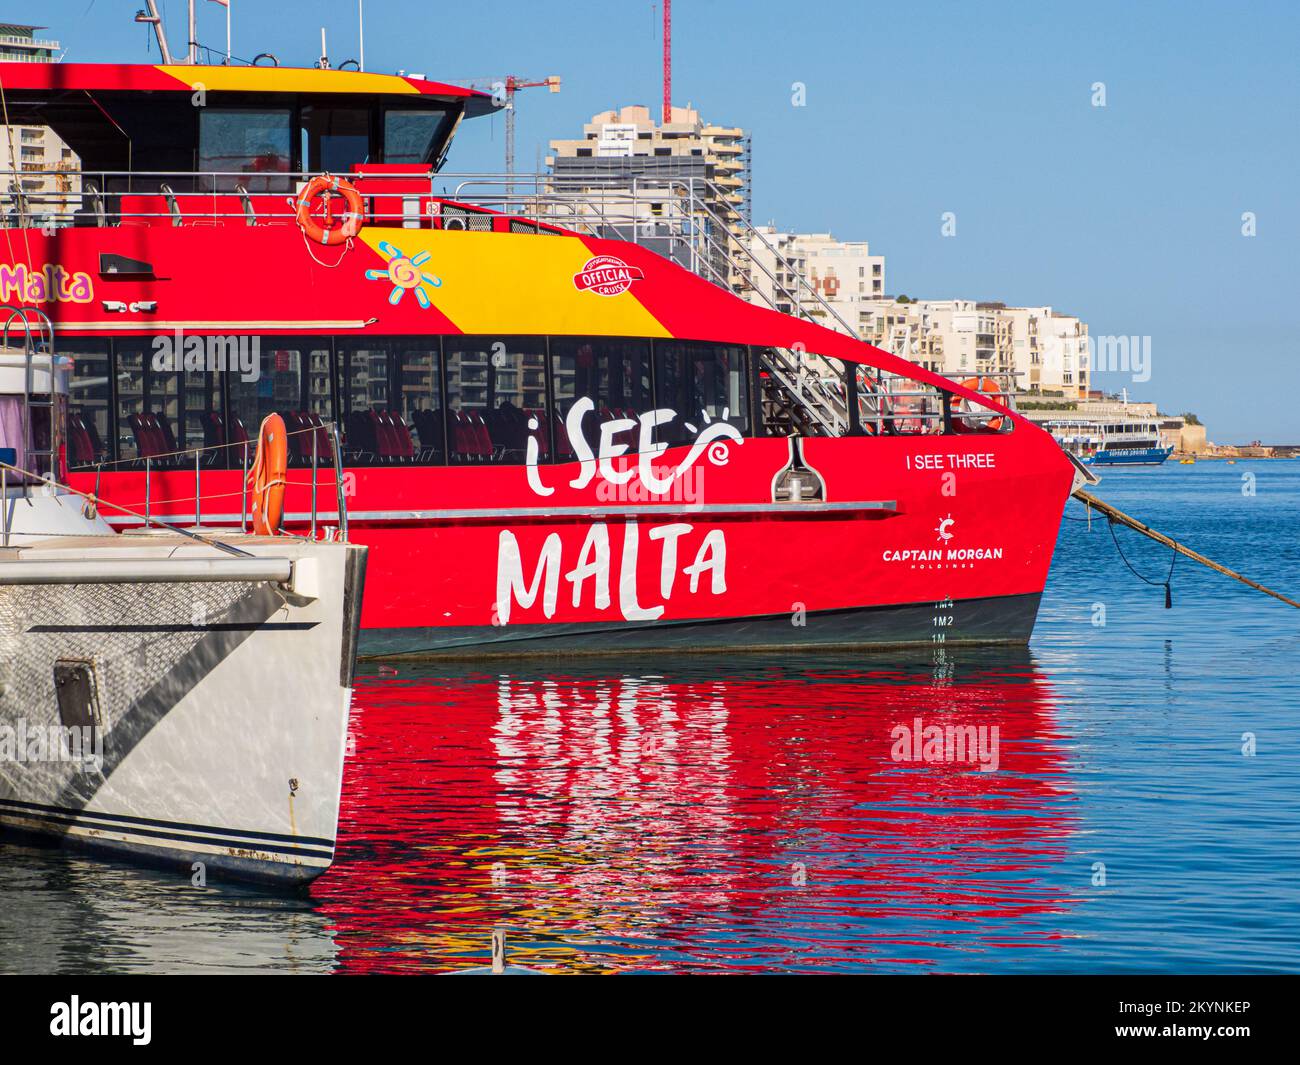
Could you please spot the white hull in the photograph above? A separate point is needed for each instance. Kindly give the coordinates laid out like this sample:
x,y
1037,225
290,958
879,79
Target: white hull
x,y
220,700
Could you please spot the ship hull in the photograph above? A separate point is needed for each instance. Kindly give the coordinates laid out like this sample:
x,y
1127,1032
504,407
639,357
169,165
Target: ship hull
x,y
196,725
900,549
1149,456
992,620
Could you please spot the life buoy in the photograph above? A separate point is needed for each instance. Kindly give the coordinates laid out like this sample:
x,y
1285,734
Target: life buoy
x,y
328,186
267,477
988,387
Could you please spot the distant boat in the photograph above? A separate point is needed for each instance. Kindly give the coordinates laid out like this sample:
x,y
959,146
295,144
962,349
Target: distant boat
x,y
1129,456
1111,441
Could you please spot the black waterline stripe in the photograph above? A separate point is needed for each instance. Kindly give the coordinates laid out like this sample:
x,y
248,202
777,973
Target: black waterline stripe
x,y
170,837
182,825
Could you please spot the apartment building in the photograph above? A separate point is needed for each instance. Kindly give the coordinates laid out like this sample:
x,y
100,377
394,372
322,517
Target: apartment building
x,y
38,171
790,271
1040,349
625,145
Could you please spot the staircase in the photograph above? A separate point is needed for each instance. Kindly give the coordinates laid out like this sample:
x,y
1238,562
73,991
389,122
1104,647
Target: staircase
x,y
803,393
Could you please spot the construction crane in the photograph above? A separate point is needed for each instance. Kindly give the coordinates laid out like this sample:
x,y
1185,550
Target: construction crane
x,y
503,92
668,61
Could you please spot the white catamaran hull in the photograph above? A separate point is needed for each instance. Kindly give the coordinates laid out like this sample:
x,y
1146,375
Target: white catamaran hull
x,y
165,701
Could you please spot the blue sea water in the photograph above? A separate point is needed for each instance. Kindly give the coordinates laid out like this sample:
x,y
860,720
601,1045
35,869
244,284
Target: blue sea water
x,y
752,814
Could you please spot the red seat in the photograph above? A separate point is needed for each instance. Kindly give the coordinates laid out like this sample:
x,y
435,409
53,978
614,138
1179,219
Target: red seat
x,y
81,448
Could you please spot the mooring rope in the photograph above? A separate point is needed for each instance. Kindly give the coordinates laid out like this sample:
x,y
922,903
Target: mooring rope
x,y
1166,583
1117,516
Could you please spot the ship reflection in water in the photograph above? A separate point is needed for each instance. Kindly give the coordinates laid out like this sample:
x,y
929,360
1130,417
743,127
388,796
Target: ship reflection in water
x,y
739,814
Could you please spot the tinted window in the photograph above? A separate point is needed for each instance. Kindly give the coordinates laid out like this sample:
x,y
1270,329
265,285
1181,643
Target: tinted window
x,y
411,136
888,403
334,138
392,394
495,385
613,373
697,379
255,143
291,377
89,398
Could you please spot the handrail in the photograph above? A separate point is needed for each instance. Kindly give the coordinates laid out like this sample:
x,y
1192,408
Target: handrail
x,y
685,216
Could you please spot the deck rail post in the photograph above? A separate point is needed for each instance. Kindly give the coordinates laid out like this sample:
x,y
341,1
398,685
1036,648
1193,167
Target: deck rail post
x,y
315,440
243,494
146,491
339,491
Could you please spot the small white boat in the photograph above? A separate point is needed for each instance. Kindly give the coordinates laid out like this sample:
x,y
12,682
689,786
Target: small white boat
x,y
178,697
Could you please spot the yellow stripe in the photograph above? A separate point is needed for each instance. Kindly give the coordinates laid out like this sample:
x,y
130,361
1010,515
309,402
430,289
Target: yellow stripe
x,y
514,283
288,79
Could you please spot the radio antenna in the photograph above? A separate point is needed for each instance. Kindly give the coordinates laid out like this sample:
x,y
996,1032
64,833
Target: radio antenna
x,y
152,17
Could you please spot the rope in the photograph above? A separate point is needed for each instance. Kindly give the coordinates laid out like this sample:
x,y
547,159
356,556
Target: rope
x,y
1169,599
1118,516
321,262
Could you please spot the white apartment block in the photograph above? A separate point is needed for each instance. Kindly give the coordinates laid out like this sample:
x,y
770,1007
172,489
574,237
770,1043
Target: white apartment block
x,y
36,167
1045,350
789,271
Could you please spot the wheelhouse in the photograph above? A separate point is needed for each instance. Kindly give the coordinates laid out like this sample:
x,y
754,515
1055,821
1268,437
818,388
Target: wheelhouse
x,y
174,131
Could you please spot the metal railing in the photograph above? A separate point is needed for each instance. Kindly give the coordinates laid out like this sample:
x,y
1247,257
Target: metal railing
x,y
171,462
690,220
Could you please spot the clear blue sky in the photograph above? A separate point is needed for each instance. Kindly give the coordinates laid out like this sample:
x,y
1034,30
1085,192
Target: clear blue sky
x,y
1128,215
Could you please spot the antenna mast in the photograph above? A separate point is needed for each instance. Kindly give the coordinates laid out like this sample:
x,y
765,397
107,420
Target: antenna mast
x,y
155,19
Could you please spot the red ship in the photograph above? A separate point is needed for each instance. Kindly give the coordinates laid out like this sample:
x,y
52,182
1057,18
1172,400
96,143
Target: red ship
x,y
550,440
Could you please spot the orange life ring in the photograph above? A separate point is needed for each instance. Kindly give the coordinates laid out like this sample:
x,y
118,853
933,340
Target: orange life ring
x,y
327,186
988,387
267,476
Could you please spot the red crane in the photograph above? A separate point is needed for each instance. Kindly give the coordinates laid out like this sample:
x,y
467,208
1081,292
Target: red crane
x,y
668,61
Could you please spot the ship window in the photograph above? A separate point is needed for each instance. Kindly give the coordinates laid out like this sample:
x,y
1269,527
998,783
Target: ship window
x,y
246,146
822,377
614,374
335,138
88,402
496,386
392,393
701,383
899,406
289,376
165,400
412,136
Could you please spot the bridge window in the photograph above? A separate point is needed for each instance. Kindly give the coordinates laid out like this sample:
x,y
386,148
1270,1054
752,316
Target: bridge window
x,y
248,146
334,138
613,373
701,382
495,386
413,136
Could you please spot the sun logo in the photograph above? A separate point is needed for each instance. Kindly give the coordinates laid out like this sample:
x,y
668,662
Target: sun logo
x,y
404,273
943,528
